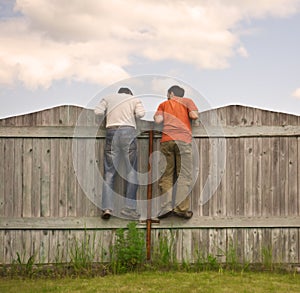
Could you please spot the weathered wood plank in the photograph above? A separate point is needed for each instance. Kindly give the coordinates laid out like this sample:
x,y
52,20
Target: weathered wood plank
x,y
2,177
257,245
45,177
298,164
205,186
276,245
2,247
248,245
54,177
18,177
196,191
257,177
8,246
63,177
72,180
221,169
283,175
230,176
239,178
248,177
266,194
67,223
36,178
99,147
212,177
275,158
45,247
81,158
9,161
293,246
292,178
27,177
92,131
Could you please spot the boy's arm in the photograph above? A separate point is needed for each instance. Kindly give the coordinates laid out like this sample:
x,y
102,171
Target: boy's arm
x,y
101,108
158,118
193,115
139,110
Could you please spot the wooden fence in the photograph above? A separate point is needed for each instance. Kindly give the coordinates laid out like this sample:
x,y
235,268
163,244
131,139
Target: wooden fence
x,y
246,192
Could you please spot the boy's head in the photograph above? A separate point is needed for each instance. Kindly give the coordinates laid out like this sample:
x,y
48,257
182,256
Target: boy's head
x,y
125,90
176,90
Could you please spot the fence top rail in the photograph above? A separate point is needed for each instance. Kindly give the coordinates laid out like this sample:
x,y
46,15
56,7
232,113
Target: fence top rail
x,y
98,132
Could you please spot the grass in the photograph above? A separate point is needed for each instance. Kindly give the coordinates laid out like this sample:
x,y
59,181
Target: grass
x,y
258,282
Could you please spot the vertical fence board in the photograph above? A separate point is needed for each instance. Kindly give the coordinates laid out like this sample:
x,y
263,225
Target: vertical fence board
x,y
283,175
275,159
292,178
293,246
196,191
276,245
53,255
205,188
45,248
239,178
72,185
54,177
298,172
230,177
45,177
81,158
257,177
99,173
2,178
248,177
266,203
2,247
90,196
9,162
63,177
17,179
8,246
248,246
36,178
213,202
27,176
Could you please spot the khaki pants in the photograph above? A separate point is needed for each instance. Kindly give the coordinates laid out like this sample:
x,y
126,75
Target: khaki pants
x,y
176,175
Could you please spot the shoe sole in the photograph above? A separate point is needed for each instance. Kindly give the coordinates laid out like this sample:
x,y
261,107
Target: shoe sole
x,y
106,216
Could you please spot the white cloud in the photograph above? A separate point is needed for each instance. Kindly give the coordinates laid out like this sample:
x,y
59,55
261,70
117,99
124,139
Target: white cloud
x,y
242,51
296,93
94,40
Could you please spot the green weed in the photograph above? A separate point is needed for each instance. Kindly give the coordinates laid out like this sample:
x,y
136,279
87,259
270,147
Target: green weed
x,y
129,252
82,253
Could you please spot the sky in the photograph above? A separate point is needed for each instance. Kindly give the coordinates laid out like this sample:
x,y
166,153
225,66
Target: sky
x,y
224,52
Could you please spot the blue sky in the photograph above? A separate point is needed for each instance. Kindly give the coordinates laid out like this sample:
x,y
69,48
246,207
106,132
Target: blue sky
x,y
231,52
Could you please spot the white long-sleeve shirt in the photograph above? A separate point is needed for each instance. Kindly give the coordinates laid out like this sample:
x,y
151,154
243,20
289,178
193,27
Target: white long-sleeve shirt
x,y
120,110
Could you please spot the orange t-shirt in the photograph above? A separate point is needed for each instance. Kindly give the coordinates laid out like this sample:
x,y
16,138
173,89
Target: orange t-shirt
x,y
177,125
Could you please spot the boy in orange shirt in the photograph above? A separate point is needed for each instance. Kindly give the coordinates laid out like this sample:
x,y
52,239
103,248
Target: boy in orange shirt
x,y
176,146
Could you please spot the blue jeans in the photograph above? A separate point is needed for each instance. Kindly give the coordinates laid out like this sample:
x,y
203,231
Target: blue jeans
x,y
120,144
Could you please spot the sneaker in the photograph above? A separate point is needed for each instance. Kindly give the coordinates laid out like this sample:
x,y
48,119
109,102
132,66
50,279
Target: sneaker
x,y
186,215
130,214
106,214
